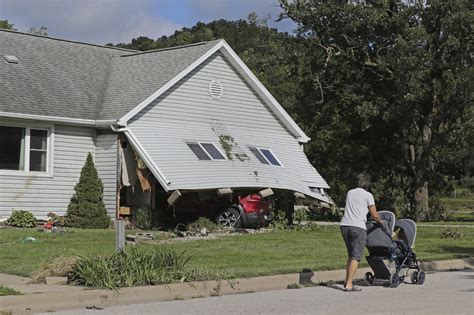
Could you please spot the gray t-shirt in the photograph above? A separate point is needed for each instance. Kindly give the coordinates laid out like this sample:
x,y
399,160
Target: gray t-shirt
x,y
358,201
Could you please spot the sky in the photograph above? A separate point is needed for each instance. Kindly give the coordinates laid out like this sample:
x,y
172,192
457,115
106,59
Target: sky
x,y
118,21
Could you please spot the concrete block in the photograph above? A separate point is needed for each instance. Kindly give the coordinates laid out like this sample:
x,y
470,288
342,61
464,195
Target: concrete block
x,y
265,192
224,191
56,280
174,197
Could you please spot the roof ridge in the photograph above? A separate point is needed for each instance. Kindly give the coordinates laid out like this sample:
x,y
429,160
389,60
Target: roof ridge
x,y
171,48
68,41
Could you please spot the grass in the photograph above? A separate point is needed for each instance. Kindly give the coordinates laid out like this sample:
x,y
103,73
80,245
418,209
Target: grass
x,y
460,209
8,291
241,255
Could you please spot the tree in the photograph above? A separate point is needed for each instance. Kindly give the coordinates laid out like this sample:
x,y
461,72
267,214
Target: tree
x,y
38,31
5,25
270,54
388,88
86,208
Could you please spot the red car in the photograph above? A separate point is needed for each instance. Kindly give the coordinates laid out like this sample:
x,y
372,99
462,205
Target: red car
x,y
243,210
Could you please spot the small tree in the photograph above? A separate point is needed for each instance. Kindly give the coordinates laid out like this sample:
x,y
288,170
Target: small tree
x,y
87,209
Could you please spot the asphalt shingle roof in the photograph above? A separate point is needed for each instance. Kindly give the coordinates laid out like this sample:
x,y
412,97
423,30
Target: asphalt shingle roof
x,y
135,77
62,78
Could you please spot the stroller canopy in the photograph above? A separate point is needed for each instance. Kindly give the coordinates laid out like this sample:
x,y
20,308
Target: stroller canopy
x,y
409,230
378,238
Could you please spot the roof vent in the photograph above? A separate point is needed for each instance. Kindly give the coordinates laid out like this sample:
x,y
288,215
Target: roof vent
x,y
11,59
216,89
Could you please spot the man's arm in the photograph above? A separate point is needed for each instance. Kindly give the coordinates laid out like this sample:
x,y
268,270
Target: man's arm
x,y
375,215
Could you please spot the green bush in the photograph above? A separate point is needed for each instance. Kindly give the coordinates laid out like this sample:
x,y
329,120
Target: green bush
x,y
86,209
451,233
21,218
204,223
4,291
142,219
132,268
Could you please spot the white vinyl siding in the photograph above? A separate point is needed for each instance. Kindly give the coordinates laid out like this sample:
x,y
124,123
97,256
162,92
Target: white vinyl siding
x,y
187,111
106,163
43,194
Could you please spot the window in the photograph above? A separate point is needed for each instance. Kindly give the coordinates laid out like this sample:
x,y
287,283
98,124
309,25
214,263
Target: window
x,y
23,149
213,151
265,156
206,151
259,155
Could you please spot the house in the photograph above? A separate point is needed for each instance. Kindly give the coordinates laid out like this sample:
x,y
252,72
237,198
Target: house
x,y
184,119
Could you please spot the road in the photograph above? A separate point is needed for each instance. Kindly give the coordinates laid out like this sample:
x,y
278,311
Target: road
x,y
442,293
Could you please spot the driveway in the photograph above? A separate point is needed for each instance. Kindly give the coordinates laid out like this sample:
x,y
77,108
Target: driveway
x,y
443,293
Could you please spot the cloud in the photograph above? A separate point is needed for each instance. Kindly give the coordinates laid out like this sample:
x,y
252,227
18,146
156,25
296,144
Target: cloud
x,y
94,21
116,21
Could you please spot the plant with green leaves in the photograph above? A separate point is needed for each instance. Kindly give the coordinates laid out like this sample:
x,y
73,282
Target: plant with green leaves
x,y
132,267
4,291
206,223
22,219
86,209
142,219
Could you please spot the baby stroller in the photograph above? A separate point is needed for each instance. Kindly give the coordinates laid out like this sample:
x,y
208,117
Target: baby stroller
x,y
391,259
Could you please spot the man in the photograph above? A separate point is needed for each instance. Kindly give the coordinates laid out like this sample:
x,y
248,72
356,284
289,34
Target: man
x,y
359,202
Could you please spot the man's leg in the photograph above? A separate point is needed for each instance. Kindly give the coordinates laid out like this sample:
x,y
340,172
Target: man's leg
x,y
351,270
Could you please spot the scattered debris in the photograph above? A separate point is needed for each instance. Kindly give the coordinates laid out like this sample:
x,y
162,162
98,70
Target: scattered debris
x,y
93,307
28,239
59,267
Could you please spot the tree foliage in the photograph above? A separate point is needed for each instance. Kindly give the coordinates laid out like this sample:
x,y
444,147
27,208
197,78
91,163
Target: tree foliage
x,y
271,55
38,31
6,25
86,208
388,89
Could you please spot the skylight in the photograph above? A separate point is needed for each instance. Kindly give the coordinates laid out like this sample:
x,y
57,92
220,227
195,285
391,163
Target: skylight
x,y
265,156
206,151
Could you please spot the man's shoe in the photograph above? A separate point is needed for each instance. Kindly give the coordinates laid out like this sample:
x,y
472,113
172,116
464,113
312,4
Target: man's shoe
x,y
353,289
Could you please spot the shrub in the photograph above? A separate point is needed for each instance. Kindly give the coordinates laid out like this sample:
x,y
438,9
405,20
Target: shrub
x,y
131,268
451,233
279,221
4,291
142,219
204,223
21,218
301,214
86,209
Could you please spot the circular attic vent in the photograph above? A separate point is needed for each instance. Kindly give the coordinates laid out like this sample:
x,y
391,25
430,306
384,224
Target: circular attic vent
x,y
216,89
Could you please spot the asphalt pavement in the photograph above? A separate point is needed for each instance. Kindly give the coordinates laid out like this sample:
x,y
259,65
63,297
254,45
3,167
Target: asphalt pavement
x,y
442,293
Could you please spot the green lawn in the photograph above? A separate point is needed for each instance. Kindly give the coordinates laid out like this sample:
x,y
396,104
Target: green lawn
x,y
461,209
243,255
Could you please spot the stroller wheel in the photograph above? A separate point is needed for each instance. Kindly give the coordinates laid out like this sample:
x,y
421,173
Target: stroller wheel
x,y
369,278
420,278
394,280
414,277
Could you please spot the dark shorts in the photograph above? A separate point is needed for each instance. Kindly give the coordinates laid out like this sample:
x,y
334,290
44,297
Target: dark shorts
x,y
355,239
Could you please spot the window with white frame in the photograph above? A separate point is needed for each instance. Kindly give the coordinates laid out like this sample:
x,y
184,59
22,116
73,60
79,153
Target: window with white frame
x,y
24,149
206,151
265,156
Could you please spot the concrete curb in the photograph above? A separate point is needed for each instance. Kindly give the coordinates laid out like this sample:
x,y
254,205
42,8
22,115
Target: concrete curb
x,y
70,298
